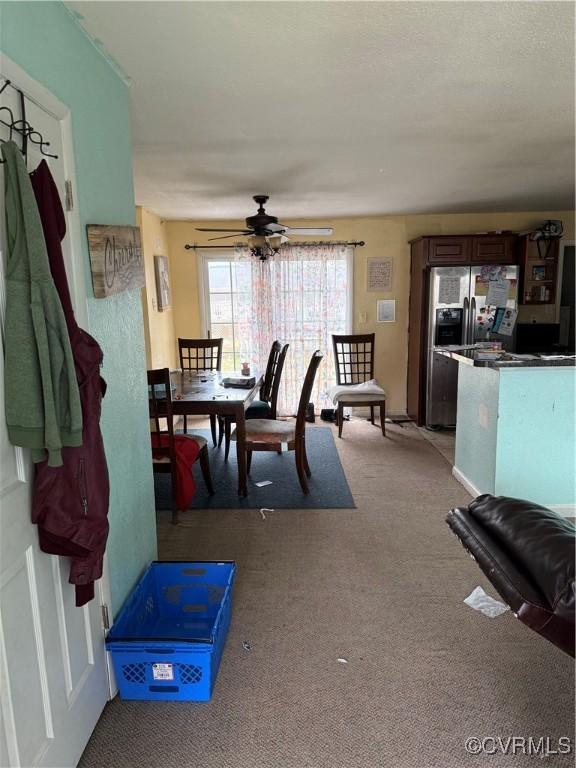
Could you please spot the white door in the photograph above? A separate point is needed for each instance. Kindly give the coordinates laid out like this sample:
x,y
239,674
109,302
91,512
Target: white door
x,y
53,674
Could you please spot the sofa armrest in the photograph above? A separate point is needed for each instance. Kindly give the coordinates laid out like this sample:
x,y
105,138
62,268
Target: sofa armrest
x,y
511,584
538,540
541,592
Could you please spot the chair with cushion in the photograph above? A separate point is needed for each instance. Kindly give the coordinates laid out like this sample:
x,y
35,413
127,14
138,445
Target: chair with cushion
x,y
174,454
265,408
355,383
201,355
273,435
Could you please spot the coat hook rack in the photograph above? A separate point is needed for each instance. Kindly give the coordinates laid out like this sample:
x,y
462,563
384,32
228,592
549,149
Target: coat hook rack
x,y
22,126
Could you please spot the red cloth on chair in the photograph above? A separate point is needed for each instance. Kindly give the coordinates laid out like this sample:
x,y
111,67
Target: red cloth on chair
x,y
187,450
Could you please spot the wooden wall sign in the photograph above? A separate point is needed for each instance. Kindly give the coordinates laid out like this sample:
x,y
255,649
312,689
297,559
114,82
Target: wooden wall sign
x,y
115,259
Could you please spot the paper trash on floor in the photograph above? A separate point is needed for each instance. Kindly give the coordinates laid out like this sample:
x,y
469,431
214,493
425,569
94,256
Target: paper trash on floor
x,y
480,601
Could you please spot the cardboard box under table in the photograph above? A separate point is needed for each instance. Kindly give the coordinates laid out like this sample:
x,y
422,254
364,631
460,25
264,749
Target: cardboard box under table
x,y
167,641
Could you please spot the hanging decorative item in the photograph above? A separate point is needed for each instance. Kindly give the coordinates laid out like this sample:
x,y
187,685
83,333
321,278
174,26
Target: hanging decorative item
x,y
115,259
386,311
378,274
162,282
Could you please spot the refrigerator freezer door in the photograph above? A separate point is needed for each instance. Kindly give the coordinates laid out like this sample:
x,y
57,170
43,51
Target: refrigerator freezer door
x,y
447,324
482,313
442,392
449,287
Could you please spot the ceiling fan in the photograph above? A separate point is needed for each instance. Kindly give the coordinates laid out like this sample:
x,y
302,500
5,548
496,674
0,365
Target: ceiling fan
x,y
265,231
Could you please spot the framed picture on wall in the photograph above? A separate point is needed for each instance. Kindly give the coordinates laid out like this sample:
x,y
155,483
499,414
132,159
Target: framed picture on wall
x,y
162,282
386,311
378,274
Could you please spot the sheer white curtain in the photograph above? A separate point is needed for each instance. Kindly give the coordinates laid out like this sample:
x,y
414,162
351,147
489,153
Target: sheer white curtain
x,y
300,297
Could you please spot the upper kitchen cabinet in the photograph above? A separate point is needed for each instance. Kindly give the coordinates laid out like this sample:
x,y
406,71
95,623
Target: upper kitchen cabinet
x,y
457,250
498,249
449,250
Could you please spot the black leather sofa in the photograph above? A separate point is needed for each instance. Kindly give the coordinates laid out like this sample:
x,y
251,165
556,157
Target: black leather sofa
x,y
528,553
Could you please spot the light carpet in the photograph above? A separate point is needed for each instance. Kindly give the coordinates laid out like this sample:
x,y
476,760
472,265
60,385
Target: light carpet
x,y
380,586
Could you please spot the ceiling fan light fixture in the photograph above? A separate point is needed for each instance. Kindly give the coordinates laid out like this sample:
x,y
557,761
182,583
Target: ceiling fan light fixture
x,y
266,234
276,240
256,241
264,247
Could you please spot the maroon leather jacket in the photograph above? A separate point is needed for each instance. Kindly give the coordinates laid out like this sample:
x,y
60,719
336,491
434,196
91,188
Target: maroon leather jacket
x,y
70,503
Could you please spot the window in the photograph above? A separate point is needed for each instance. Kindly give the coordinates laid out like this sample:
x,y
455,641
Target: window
x,y
227,286
300,297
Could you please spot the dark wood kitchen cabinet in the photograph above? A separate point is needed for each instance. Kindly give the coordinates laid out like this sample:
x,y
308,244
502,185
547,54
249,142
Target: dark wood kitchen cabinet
x,y
501,249
447,251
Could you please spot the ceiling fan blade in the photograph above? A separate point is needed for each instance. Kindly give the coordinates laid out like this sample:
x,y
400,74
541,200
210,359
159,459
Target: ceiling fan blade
x,y
308,230
273,228
240,231
225,237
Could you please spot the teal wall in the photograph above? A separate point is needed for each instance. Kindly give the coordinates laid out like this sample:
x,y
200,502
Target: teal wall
x,y
516,433
476,418
43,39
536,441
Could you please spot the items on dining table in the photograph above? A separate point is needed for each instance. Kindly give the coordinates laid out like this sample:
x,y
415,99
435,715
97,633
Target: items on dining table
x,y
239,381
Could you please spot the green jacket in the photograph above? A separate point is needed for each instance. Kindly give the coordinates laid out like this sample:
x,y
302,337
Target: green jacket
x,y
42,401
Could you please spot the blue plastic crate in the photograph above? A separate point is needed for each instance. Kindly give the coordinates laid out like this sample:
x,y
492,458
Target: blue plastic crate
x,y
168,639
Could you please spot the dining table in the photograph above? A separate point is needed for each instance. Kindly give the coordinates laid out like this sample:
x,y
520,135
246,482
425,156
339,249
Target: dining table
x,y
204,393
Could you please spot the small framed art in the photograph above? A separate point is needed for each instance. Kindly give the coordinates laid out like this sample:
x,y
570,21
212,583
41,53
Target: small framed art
x,y
386,311
378,274
162,282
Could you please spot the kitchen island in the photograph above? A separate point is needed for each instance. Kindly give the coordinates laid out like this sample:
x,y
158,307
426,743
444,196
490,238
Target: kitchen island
x,y
515,426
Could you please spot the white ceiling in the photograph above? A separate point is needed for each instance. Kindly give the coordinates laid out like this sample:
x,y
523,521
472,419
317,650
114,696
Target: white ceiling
x,y
346,108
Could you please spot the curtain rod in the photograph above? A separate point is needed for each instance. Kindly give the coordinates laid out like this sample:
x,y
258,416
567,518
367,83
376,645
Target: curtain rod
x,y
353,243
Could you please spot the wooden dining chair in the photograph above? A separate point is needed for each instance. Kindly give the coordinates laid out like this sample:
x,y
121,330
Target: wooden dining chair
x,y
201,355
265,407
354,363
272,435
162,424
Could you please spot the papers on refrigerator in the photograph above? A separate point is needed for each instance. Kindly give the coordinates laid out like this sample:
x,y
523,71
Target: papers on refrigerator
x,y
449,290
504,321
498,291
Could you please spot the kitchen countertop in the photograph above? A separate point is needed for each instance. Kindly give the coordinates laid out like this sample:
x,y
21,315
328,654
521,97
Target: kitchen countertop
x,y
474,356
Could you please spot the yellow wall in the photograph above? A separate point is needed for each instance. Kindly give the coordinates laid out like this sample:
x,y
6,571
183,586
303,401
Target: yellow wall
x,y
184,271
384,236
158,326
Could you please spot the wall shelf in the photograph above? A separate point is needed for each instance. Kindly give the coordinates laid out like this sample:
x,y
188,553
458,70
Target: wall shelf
x,y
531,292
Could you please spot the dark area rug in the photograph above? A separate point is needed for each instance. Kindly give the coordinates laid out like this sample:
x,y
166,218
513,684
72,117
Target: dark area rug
x,y
328,485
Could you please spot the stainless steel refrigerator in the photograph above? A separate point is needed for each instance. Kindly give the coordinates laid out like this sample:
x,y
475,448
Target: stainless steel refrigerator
x,y
459,315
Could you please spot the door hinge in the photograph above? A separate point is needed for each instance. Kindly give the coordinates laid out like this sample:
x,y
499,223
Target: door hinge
x,y
69,195
105,618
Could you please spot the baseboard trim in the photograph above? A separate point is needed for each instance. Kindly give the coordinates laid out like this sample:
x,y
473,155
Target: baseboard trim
x,y
363,411
463,480
565,510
